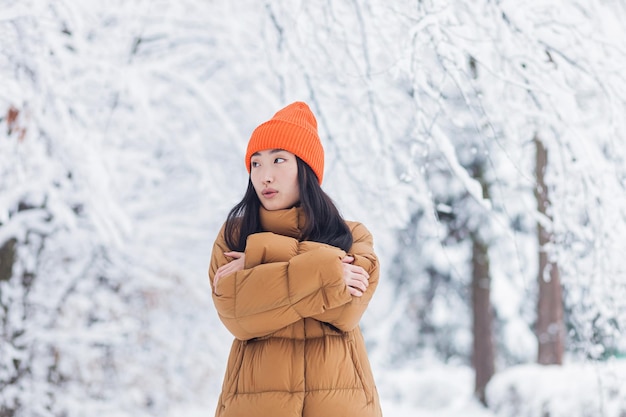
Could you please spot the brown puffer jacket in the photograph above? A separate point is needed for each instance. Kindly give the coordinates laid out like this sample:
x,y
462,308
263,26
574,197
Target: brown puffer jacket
x,y
298,349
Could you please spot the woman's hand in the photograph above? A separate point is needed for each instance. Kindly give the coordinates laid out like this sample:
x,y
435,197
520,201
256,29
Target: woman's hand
x,y
233,266
355,277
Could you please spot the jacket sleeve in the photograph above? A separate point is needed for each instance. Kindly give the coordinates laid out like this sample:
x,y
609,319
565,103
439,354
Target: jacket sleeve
x,y
347,316
283,280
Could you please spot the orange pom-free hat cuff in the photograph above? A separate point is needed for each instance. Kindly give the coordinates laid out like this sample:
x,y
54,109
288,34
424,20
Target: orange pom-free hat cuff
x,y
293,129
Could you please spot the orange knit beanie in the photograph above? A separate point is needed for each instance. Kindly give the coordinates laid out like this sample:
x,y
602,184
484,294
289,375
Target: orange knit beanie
x,y
293,129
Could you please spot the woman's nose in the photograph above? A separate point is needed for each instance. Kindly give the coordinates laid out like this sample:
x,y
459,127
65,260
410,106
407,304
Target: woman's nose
x,y
268,177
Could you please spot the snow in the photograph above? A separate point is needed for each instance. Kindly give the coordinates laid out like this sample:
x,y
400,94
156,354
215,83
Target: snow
x,y
581,389
127,153
529,390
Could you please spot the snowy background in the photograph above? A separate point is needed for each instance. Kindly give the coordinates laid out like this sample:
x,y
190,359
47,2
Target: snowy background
x,y
123,126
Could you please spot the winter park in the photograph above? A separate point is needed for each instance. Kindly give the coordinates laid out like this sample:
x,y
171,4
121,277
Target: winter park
x,y
481,143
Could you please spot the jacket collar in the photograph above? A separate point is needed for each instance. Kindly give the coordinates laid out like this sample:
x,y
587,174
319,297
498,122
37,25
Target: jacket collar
x,y
287,222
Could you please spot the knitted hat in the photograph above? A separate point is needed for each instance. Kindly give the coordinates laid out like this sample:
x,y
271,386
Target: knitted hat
x,y
293,129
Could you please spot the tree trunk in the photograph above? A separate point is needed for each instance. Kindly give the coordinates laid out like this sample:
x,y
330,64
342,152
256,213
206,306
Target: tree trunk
x,y
550,328
483,355
483,350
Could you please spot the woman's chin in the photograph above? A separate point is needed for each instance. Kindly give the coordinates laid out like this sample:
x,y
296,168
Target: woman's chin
x,y
271,206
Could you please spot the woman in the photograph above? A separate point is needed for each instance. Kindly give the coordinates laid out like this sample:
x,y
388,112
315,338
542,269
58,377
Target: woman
x,y
291,280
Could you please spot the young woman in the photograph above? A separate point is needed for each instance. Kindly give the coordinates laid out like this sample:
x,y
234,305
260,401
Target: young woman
x,y
291,279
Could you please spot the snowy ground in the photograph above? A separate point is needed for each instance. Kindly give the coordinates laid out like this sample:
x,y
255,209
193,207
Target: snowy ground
x,y
438,391
581,390
441,392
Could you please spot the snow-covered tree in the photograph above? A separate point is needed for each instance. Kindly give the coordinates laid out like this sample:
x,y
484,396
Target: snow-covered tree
x,y
122,132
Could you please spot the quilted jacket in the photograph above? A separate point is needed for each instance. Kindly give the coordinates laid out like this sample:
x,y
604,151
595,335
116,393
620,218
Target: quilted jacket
x,y
298,349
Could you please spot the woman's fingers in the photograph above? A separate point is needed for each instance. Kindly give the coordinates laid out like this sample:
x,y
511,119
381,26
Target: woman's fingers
x,y
359,284
355,292
357,271
221,273
355,277
347,259
235,265
216,279
227,269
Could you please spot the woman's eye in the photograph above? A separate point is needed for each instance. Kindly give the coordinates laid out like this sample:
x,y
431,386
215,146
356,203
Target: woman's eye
x,y
279,160
254,164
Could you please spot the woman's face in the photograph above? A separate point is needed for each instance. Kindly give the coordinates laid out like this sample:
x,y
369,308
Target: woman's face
x,y
274,175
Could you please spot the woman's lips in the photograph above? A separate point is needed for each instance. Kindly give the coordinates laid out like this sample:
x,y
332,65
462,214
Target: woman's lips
x,y
269,193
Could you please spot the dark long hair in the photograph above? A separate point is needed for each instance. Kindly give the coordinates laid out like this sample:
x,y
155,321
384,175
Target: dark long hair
x,y
323,221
